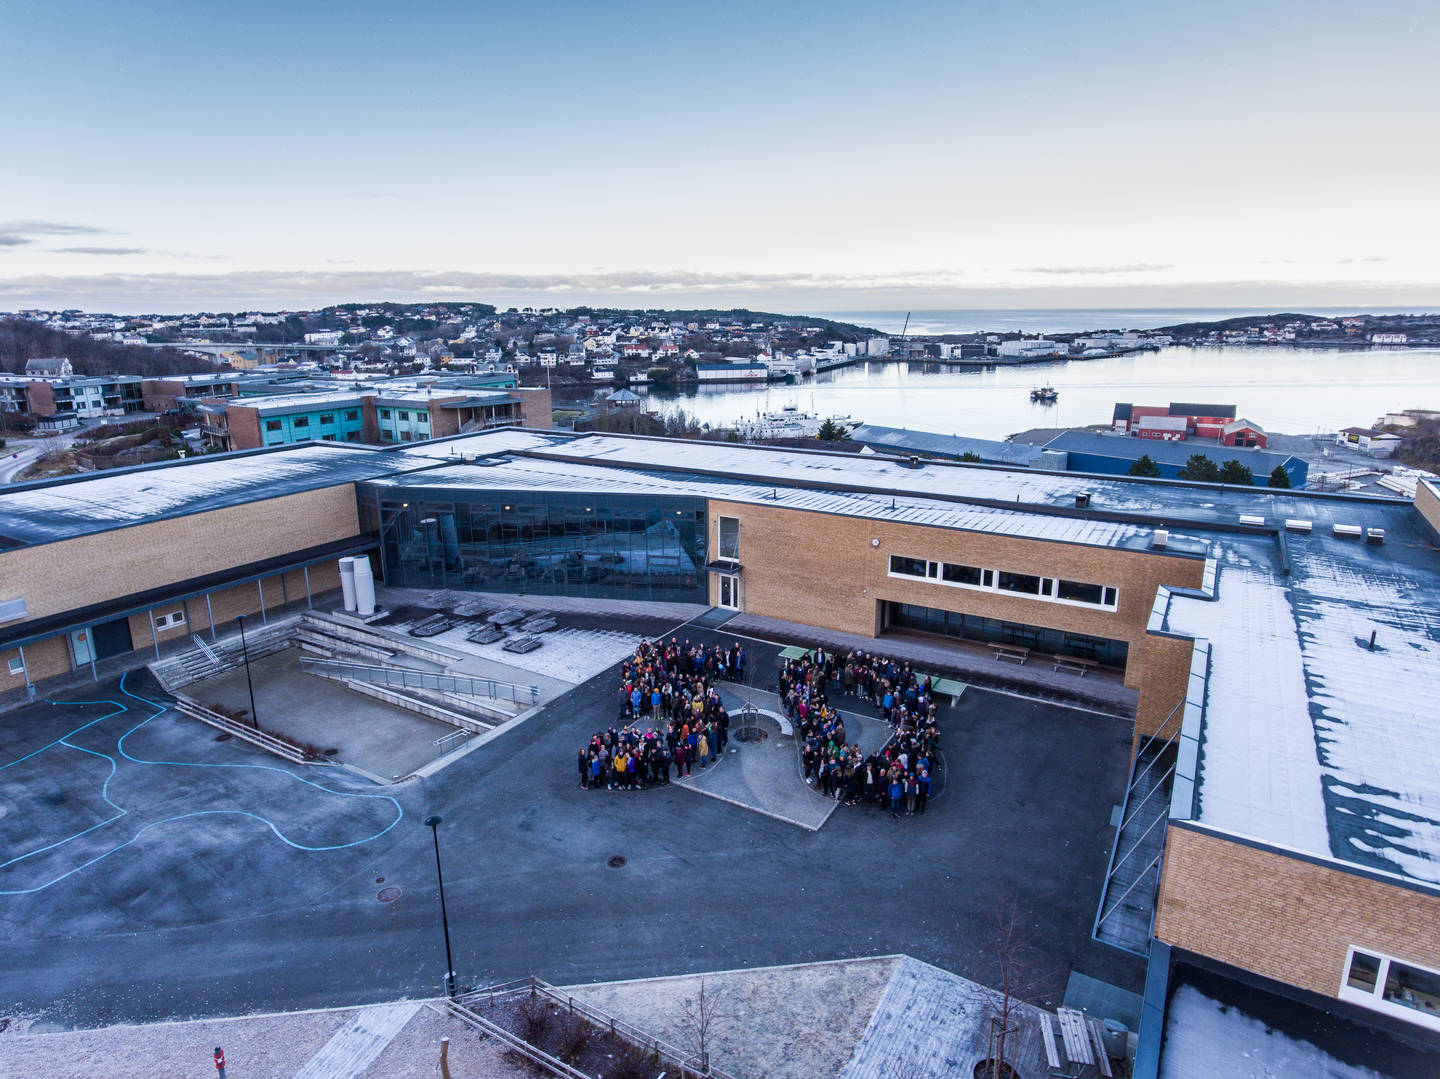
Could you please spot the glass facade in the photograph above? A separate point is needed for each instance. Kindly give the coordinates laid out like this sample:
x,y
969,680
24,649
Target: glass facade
x,y
994,631
548,543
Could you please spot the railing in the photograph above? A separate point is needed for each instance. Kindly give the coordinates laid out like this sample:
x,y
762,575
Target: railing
x,y
243,731
687,1063
404,678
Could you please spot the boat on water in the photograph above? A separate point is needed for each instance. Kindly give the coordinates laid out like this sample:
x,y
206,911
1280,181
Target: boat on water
x,y
1046,395
789,422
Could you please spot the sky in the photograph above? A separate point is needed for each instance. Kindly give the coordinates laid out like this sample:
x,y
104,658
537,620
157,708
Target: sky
x,y
792,156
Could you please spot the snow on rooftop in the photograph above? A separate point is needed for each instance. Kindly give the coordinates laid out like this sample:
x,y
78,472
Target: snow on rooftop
x,y
498,440
55,511
1310,738
1260,773
1205,1039
527,474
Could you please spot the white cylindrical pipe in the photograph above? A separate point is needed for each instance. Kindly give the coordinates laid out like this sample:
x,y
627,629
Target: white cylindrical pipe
x,y
347,582
364,586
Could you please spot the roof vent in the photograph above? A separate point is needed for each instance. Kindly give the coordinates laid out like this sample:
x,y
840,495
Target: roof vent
x,y
1082,500
1160,538
1251,519
1375,536
1349,531
913,462
1298,524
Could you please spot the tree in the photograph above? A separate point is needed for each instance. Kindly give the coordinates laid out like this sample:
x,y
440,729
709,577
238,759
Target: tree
x,y
1279,477
970,457
1200,467
697,1017
830,431
1233,471
1144,466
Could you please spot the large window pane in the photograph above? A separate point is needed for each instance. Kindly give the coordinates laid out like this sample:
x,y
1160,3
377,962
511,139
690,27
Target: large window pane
x,y
729,538
953,574
909,567
1079,592
1018,582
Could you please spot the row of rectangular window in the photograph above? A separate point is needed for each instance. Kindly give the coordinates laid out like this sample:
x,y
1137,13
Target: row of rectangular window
x,y
304,421
1024,584
1404,990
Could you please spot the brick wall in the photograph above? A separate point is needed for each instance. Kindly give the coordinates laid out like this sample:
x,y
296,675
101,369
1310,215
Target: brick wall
x,y
244,424
40,398
1163,675
62,576
823,570
1284,917
535,408
1428,503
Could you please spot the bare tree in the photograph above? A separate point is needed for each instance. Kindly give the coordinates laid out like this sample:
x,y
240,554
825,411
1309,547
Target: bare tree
x,y
697,1018
1006,927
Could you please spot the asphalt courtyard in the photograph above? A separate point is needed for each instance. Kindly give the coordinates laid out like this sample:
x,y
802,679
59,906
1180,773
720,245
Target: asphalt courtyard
x,y
149,871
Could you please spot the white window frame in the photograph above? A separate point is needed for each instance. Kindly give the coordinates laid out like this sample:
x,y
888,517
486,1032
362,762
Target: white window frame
x,y
17,665
1375,1000
720,532
990,582
168,621
734,581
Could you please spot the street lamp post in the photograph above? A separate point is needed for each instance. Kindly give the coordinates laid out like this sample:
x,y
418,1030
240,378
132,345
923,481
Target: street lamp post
x,y
254,719
434,824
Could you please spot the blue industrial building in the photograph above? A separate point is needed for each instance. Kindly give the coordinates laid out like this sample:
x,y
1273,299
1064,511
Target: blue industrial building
x,y
1112,455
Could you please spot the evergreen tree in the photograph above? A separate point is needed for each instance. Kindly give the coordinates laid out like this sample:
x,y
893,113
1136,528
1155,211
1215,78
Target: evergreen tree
x,y
1200,467
1234,472
1144,467
970,457
1279,477
830,431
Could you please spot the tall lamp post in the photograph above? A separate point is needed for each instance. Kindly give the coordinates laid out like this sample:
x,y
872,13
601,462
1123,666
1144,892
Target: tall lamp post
x,y
254,719
434,824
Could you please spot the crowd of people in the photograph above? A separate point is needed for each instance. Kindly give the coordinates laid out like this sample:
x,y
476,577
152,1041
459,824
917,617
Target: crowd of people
x,y
670,721
670,689
900,774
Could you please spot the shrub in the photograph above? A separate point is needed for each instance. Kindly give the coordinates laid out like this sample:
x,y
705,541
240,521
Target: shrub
x,y
631,1062
534,1014
568,1037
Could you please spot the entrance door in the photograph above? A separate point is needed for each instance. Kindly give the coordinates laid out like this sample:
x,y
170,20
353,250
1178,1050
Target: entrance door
x,y
80,646
730,591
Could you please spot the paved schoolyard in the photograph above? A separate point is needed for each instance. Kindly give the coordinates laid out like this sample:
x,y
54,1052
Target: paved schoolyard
x,y
220,881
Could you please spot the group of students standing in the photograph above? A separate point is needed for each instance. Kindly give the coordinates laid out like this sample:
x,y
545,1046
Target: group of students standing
x,y
899,775
673,687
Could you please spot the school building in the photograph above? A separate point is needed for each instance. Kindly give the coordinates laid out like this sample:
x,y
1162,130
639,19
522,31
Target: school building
x,y
1281,825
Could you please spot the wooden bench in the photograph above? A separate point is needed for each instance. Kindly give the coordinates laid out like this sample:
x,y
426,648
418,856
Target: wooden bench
x,y
1013,652
1075,664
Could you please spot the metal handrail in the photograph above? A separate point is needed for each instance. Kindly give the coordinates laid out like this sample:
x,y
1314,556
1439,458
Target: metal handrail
x,y
516,1043
689,1062
405,677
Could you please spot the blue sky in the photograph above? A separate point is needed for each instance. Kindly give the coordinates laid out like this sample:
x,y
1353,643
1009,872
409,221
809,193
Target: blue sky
x,y
837,155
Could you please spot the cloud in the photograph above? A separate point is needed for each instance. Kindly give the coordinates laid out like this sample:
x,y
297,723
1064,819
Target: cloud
x,y
1372,258
1133,267
101,250
19,233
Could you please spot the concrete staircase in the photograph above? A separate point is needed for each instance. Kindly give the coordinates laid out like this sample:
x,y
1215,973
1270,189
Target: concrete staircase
x,y
204,659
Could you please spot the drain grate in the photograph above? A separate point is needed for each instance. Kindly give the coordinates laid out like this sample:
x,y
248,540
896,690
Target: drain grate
x,y
616,861
750,734
388,895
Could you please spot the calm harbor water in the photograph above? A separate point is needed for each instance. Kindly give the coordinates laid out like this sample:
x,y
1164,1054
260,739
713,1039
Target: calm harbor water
x,y
1285,390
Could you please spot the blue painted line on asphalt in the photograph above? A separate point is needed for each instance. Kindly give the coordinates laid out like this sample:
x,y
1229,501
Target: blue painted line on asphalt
x,y
120,709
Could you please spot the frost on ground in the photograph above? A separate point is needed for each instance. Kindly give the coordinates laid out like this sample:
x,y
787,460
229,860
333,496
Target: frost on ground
x,y
256,1047
1204,1038
777,1022
571,655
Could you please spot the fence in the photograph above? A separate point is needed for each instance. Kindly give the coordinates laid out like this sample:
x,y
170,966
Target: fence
x,y
404,677
685,1063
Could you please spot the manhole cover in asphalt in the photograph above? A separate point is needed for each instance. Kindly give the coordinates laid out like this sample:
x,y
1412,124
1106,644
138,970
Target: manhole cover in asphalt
x,y
388,895
224,736
332,752
615,861
751,734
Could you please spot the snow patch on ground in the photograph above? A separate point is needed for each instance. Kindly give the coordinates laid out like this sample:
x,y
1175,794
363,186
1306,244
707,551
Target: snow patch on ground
x,y
1205,1039
571,655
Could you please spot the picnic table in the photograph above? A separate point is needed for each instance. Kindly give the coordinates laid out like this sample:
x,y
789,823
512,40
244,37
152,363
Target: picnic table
x,y
1014,652
1075,664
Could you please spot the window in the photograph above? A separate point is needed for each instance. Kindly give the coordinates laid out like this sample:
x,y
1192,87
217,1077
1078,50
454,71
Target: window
x,y
352,416
904,566
327,438
1405,990
327,417
404,436
1095,595
1018,582
729,538
964,575
174,618
402,415
272,425
301,421
17,665
729,591
384,413
352,436
423,419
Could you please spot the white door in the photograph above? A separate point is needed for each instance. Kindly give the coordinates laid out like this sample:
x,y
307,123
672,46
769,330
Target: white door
x,y
730,591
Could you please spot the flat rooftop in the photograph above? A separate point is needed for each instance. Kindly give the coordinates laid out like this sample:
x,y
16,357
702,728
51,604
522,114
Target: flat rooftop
x,y
51,510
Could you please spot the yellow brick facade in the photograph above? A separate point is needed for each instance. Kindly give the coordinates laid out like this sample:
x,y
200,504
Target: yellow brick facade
x,y
827,570
1286,918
